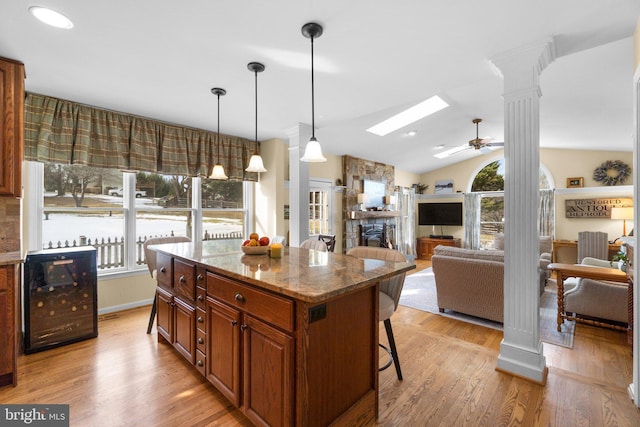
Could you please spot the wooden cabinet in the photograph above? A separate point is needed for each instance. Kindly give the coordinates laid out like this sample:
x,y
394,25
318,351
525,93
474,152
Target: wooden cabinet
x,y
282,357
426,245
176,306
249,360
566,251
11,126
9,280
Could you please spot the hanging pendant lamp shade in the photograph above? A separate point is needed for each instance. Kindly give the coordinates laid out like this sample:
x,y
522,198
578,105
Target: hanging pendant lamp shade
x,y
218,170
255,163
313,152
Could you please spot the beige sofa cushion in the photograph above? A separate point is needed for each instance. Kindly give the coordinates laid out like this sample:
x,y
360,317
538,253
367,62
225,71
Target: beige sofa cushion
x,y
497,256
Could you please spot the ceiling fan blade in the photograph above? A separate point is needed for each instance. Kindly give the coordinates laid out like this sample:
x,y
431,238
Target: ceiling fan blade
x,y
486,148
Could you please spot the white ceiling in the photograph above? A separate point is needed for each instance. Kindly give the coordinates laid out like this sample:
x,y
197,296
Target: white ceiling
x,y
160,59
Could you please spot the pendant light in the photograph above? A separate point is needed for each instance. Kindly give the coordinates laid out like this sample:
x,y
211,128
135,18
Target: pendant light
x,y
255,163
313,152
218,170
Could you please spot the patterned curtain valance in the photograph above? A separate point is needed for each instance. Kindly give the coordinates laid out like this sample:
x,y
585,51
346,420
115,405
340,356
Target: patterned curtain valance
x,y
60,131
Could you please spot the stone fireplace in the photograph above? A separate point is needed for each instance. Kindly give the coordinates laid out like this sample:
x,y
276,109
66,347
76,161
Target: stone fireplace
x,y
378,235
355,171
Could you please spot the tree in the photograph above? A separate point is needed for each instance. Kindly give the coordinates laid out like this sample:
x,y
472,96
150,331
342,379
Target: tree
x,y
78,178
488,179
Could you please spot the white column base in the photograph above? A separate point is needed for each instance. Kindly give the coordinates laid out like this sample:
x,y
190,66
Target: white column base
x,y
526,363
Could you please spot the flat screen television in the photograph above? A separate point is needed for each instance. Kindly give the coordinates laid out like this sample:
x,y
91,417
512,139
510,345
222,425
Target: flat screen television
x,y
440,213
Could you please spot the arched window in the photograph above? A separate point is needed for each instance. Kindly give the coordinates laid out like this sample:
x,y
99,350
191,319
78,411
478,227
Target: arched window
x,y
489,180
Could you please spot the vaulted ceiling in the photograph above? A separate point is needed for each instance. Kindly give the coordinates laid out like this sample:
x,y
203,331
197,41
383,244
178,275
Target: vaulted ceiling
x,y
161,58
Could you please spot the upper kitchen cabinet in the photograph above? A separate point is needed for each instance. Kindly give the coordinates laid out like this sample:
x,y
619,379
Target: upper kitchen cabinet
x,y
11,126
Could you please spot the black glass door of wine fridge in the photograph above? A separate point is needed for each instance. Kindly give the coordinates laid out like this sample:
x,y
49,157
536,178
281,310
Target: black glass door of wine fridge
x,y
60,297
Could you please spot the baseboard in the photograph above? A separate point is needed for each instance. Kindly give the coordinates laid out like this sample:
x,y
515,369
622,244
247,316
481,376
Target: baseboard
x,y
127,306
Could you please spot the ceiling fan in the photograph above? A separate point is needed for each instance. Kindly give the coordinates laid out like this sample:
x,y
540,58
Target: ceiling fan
x,y
482,144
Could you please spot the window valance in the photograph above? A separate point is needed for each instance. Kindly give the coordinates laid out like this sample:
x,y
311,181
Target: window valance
x,y
60,131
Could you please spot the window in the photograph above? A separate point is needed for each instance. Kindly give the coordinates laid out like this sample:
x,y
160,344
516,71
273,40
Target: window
x,y
319,207
101,207
490,181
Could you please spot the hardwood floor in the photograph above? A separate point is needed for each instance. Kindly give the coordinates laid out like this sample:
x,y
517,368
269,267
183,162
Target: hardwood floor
x,y
125,377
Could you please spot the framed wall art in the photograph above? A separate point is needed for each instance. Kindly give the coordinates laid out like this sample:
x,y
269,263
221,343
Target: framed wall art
x,y
575,182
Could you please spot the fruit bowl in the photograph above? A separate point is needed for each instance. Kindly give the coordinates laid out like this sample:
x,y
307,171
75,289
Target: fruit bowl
x,y
255,250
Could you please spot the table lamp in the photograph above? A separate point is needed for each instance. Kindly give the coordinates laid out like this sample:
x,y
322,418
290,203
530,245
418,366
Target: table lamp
x,y
624,214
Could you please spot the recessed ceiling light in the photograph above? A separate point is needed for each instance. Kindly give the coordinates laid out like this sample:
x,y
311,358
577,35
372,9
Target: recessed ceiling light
x,y
417,112
412,133
51,17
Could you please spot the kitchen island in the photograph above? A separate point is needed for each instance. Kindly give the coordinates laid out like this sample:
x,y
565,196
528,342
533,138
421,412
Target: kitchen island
x,y
290,341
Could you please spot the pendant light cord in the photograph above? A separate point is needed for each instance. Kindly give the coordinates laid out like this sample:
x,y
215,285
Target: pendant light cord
x,y
313,113
256,85
218,135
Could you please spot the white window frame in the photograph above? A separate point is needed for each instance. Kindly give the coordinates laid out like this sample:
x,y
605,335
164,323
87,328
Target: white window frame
x,y
33,214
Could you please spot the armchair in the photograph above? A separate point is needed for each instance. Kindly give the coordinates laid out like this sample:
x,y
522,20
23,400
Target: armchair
x,y
597,299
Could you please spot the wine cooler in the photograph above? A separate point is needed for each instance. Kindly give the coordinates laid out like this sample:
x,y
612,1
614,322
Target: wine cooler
x,y
60,297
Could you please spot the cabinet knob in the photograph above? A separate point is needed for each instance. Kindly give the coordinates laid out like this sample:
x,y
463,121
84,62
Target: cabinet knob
x,y
182,279
200,363
239,297
200,277
163,269
200,340
234,322
243,327
200,319
200,297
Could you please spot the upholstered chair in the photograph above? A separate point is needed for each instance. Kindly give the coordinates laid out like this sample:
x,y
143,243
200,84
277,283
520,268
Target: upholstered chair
x,y
317,245
150,256
390,290
597,298
593,244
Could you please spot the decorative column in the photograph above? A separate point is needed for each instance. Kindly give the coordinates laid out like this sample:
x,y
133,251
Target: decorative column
x,y
298,184
521,351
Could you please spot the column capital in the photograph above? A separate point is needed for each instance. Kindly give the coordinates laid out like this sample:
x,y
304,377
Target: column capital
x,y
521,67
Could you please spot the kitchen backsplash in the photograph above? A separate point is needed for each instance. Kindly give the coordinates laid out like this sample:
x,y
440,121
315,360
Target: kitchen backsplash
x,y
9,224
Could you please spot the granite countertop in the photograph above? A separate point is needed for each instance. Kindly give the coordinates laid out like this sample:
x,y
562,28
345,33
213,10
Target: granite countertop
x,y
303,274
9,258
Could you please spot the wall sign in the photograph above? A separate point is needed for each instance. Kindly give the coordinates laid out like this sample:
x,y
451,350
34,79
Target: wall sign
x,y
594,208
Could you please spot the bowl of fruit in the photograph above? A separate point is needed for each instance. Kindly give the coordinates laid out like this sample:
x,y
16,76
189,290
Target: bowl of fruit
x,y
255,245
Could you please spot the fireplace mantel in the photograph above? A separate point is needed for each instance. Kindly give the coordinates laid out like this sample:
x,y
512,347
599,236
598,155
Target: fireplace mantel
x,y
355,215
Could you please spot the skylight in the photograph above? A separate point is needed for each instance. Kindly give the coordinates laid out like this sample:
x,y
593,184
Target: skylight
x,y
417,112
451,151
51,17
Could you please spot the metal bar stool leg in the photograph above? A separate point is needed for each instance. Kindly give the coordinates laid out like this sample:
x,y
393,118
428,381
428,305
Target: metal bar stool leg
x,y
392,344
153,315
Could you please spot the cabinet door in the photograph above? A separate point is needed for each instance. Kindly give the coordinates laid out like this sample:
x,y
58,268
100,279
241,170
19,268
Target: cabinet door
x,y
164,310
7,329
184,332
268,374
11,127
223,352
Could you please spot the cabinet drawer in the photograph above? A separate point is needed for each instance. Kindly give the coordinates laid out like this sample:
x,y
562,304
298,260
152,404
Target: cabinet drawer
x,y
201,340
184,279
164,270
200,319
201,362
271,308
201,298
